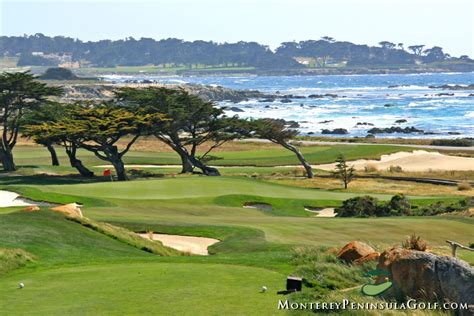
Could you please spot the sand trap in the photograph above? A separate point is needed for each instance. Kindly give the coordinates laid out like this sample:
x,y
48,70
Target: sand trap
x,y
194,245
9,199
259,206
321,212
418,160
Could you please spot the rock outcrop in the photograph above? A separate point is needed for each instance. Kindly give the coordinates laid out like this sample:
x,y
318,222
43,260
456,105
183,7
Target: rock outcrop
x,y
72,209
426,276
354,250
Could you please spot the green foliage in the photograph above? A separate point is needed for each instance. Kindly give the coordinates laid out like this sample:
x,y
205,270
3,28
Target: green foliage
x,y
20,93
460,142
58,73
360,206
441,207
399,205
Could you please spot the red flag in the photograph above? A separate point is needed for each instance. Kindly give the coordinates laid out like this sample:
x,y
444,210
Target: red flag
x,y
107,172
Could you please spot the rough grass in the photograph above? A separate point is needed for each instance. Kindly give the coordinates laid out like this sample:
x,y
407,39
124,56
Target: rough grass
x,y
11,259
126,236
54,240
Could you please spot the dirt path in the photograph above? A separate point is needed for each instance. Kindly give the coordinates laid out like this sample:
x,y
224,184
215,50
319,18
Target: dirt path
x,y
194,245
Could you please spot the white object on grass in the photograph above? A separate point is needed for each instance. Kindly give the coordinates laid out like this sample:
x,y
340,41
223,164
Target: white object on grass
x,y
264,289
21,285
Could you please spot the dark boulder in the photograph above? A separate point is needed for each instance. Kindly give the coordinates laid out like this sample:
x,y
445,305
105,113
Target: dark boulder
x,y
336,131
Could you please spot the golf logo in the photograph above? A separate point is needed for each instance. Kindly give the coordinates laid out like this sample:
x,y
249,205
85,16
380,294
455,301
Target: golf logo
x,y
377,287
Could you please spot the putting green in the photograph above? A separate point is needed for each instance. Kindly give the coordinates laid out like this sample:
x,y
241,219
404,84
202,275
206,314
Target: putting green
x,y
143,288
192,187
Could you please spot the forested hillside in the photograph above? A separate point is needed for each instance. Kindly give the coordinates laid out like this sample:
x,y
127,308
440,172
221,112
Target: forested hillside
x,y
41,50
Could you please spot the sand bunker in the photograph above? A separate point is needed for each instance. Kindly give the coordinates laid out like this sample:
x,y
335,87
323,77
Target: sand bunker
x,y
418,160
258,205
8,199
194,245
321,212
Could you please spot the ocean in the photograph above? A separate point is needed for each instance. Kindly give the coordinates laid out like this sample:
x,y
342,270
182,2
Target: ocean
x,y
362,103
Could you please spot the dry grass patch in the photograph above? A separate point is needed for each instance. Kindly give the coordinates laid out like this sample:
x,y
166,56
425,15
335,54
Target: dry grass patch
x,y
382,186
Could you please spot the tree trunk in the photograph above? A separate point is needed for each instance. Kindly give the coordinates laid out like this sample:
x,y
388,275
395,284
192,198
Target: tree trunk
x,y
119,169
76,163
187,166
6,158
208,171
299,155
54,155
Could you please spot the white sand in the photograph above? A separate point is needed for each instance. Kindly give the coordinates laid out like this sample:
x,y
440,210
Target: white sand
x,y
418,160
194,245
325,212
8,199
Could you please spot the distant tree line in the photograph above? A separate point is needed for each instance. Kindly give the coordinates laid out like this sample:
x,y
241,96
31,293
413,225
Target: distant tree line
x,y
176,52
190,126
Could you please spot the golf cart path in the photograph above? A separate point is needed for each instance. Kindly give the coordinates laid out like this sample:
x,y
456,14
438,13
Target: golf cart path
x,y
191,244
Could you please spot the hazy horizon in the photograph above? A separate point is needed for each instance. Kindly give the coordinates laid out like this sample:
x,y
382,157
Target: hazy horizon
x,y
449,24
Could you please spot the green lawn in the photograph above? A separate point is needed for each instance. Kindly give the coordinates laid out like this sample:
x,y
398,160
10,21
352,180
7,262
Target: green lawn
x,y
143,288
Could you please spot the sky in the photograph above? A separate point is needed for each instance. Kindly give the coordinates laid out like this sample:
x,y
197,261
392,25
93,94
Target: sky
x,y
445,23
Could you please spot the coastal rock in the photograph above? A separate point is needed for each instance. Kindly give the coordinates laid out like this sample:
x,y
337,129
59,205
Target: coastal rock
x,y
319,96
444,94
286,100
394,129
453,87
336,131
388,105
326,121
364,124
236,109
354,251
400,121
426,276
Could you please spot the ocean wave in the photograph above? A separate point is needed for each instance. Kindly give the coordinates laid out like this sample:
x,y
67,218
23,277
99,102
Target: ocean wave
x,y
469,114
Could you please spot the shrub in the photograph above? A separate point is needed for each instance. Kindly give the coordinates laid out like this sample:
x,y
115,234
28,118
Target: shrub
x,y
441,208
395,169
415,243
370,168
360,206
464,186
461,142
399,205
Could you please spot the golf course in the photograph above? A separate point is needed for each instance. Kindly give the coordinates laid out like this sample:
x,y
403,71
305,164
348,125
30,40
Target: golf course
x,y
75,267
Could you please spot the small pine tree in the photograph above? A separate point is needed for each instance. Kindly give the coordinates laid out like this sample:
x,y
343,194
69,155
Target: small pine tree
x,y
343,171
